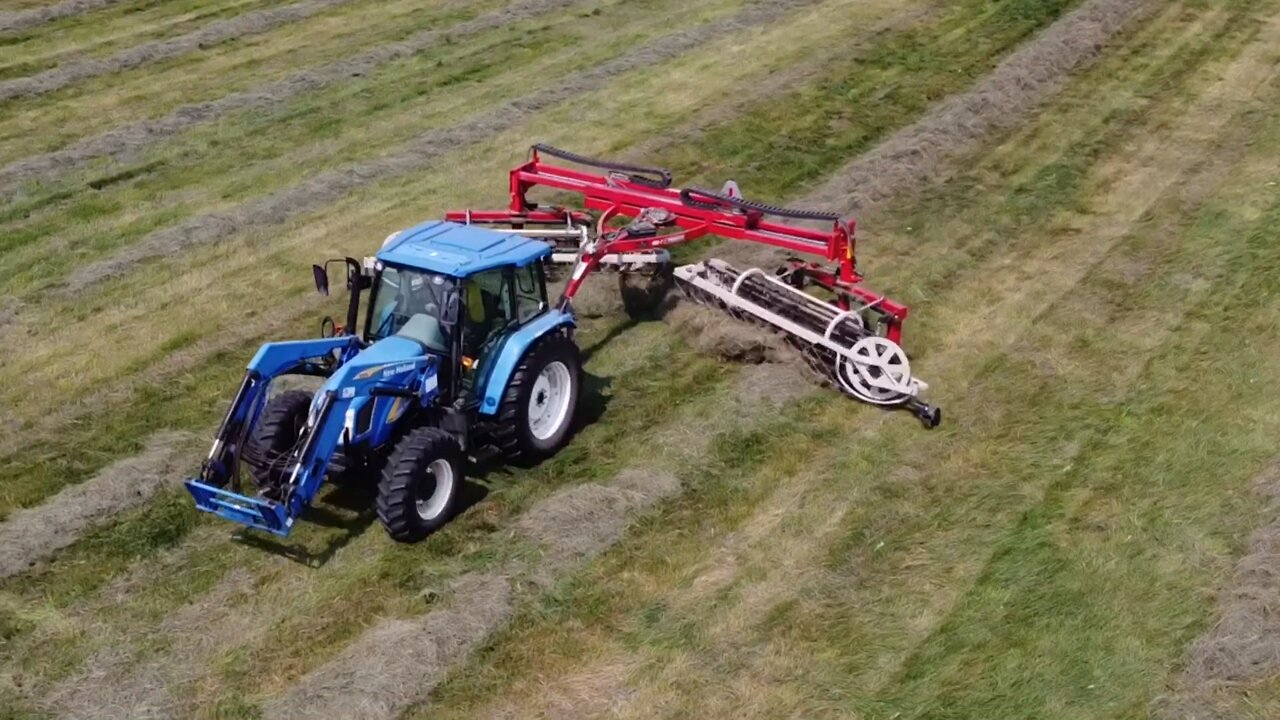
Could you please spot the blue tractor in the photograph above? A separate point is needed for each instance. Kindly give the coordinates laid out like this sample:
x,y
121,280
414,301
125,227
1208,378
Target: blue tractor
x,y
461,354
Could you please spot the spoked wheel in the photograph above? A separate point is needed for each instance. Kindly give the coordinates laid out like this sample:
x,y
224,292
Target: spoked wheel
x,y
877,373
420,484
536,415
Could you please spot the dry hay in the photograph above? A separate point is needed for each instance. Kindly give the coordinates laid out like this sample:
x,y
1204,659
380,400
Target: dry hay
x,y
1242,648
400,661
253,23
714,332
914,156
917,154
122,141
597,296
577,523
115,685
328,187
22,19
33,534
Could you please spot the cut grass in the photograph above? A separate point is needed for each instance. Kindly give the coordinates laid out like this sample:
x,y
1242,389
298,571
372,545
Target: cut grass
x,y
818,565
922,508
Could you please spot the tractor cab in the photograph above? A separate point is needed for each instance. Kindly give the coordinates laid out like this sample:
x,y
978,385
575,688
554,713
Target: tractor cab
x,y
458,291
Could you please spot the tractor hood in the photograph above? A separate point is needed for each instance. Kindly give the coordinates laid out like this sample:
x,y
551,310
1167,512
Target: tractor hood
x,y
388,362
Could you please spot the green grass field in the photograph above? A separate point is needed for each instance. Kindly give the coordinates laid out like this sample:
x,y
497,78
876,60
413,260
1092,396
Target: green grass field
x,y
1095,293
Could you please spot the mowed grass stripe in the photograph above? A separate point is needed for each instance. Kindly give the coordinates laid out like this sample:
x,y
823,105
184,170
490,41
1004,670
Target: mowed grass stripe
x,y
248,24
130,138
184,392
150,371
110,30
479,177
605,606
419,153
49,121
314,133
23,19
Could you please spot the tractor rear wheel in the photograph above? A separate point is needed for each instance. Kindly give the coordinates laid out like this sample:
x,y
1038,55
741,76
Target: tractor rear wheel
x,y
421,484
275,436
537,410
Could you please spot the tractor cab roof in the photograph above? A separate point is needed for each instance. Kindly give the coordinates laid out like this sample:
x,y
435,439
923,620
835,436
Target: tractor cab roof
x,y
459,250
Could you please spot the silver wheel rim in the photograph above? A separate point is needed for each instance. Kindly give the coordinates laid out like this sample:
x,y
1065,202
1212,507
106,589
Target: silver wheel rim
x,y
549,401
431,507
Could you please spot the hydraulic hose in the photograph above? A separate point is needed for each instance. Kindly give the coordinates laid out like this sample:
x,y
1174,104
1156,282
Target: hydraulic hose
x,y
653,177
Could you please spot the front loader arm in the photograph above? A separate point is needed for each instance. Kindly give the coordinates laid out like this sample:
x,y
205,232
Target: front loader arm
x,y
272,360
320,440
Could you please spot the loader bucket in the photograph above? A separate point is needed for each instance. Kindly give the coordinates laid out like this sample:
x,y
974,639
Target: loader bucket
x,y
252,512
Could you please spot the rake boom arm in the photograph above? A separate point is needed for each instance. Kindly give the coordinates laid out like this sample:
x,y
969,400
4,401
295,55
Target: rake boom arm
x,y
628,191
855,337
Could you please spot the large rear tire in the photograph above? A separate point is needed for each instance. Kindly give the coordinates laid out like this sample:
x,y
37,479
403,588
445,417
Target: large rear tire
x,y
421,484
275,436
541,399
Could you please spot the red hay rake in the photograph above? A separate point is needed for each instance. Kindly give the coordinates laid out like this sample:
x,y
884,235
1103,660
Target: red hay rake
x,y
852,337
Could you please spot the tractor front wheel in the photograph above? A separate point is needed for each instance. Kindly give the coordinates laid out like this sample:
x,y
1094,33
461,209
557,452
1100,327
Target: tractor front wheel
x,y
538,406
275,436
421,484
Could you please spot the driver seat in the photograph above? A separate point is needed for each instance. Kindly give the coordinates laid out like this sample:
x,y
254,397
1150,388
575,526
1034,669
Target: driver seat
x,y
427,332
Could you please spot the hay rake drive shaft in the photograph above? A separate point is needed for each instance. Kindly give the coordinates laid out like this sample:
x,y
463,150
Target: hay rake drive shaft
x,y
631,215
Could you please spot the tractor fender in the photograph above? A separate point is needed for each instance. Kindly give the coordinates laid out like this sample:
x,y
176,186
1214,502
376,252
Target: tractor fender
x,y
514,348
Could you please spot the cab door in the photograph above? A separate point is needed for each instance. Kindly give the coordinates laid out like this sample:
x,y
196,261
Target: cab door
x,y
496,303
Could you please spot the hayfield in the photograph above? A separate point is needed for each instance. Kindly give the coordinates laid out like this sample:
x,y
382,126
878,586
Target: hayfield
x,y
1078,199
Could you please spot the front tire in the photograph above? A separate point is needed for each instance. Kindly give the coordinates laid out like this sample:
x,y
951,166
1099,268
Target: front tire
x,y
541,400
274,438
420,485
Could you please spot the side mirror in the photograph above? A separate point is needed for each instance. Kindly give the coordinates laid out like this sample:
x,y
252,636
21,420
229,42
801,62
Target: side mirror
x,y
322,279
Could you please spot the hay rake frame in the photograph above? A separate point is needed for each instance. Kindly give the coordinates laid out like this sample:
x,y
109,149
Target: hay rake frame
x,y
852,340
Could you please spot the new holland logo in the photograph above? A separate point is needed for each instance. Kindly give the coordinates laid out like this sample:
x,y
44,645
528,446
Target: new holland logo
x,y
402,368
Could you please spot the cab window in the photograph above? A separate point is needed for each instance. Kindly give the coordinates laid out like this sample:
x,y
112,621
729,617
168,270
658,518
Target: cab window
x,y
488,310
530,297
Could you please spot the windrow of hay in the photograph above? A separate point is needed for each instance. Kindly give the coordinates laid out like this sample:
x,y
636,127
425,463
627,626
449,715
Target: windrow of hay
x,y
117,684
23,19
711,331
915,155
580,522
1243,647
34,534
253,23
421,152
918,154
399,661
126,139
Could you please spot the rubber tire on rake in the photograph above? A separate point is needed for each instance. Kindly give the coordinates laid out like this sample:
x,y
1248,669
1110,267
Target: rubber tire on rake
x,y
408,481
514,436
275,436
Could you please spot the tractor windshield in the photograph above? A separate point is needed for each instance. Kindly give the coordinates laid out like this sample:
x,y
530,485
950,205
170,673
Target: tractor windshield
x,y
416,304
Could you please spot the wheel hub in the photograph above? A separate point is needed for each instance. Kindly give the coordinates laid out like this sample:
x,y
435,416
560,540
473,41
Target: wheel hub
x,y
549,401
440,476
